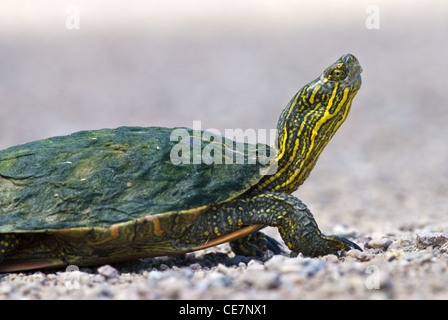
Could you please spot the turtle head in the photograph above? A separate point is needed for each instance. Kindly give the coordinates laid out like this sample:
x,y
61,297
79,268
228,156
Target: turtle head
x,y
309,121
323,104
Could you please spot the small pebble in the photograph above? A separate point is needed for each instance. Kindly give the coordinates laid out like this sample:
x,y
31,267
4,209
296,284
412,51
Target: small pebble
x,y
255,265
381,243
154,277
427,238
214,281
262,280
391,255
195,266
164,267
275,261
332,258
108,271
416,256
359,255
312,266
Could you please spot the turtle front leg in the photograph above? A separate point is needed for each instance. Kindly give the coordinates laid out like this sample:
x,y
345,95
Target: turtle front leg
x,y
296,224
293,219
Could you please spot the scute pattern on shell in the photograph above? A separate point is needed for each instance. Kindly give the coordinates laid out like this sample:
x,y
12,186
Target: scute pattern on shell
x,y
102,177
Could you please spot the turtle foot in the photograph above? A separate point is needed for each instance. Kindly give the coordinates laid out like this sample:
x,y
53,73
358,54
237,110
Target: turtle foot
x,y
322,245
255,244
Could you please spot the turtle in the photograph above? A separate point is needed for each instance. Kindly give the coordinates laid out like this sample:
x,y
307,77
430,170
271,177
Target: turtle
x,y
109,195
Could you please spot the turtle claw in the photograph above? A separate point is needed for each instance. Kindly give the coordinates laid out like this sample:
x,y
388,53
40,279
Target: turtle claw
x,y
274,245
340,243
350,244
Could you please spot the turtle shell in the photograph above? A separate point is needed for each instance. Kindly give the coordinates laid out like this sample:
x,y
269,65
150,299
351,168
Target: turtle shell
x,y
109,176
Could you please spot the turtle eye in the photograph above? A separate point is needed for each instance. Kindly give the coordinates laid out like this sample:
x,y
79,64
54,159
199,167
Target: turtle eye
x,y
337,74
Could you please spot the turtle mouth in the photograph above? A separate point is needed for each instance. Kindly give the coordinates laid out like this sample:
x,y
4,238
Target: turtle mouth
x,y
354,77
356,82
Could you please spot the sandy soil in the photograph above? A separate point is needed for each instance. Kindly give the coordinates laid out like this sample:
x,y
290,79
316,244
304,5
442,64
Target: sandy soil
x,y
382,181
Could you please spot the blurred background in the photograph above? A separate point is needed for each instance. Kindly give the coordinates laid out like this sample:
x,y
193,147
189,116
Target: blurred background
x,y
70,65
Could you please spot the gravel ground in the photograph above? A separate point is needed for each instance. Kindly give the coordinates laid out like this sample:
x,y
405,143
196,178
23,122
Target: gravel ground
x,y
382,181
375,273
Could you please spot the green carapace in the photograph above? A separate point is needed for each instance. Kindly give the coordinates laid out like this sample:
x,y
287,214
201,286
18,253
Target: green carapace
x,y
117,194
